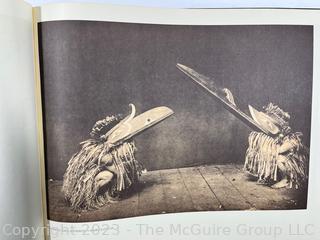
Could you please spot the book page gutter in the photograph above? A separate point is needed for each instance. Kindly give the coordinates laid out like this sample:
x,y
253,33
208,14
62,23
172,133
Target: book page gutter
x,y
19,166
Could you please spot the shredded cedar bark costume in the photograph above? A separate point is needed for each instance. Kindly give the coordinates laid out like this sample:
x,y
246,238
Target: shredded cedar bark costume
x,y
266,159
275,154
79,184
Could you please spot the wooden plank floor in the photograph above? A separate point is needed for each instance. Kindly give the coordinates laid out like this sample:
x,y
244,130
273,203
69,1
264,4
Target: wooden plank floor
x,y
203,188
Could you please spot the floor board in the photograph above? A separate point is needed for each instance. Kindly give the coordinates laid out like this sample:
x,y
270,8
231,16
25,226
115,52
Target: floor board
x,y
203,188
203,198
151,195
229,196
176,194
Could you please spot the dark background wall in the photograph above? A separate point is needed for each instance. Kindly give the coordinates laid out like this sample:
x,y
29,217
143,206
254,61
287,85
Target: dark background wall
x,y
94,69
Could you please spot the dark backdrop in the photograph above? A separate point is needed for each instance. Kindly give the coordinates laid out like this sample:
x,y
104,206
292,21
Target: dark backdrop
x,y
93,69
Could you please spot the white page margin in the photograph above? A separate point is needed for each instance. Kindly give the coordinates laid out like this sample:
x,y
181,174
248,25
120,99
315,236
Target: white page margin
x,y
288,221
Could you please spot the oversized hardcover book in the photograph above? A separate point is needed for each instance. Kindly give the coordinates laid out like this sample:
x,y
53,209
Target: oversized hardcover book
x,y
130,122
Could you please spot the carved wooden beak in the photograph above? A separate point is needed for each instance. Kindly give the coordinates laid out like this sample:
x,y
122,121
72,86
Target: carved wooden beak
x,y
133,125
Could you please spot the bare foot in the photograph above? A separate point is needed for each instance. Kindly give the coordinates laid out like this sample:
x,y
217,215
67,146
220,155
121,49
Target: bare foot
x,y
283,183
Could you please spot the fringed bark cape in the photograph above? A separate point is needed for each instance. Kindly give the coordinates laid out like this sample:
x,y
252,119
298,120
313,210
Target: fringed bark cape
x,y
79,185
266,158
263,159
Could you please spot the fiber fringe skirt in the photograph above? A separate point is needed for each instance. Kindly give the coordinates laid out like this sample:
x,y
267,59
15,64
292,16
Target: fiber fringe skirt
x,y
79,184
263,159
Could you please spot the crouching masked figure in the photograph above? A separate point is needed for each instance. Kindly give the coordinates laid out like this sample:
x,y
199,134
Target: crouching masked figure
x,y
280,160
105,167
276,154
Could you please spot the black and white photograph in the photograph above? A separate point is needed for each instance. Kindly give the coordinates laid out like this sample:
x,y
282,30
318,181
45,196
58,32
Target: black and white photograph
x,y
143,119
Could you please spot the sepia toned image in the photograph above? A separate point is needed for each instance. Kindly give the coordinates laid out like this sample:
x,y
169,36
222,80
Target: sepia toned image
x,y
144,119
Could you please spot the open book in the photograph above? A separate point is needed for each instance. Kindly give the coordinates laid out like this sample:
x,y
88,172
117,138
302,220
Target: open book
x,y
130,122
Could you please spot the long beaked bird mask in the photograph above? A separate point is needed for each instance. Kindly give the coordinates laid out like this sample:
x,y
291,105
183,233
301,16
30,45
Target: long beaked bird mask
x,y
133,125
258,122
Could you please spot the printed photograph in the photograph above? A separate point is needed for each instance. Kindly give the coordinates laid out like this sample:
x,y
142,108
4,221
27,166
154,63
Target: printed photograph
x,y
143,119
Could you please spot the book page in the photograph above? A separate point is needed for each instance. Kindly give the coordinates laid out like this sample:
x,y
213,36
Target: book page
x,y
21,211
179,124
